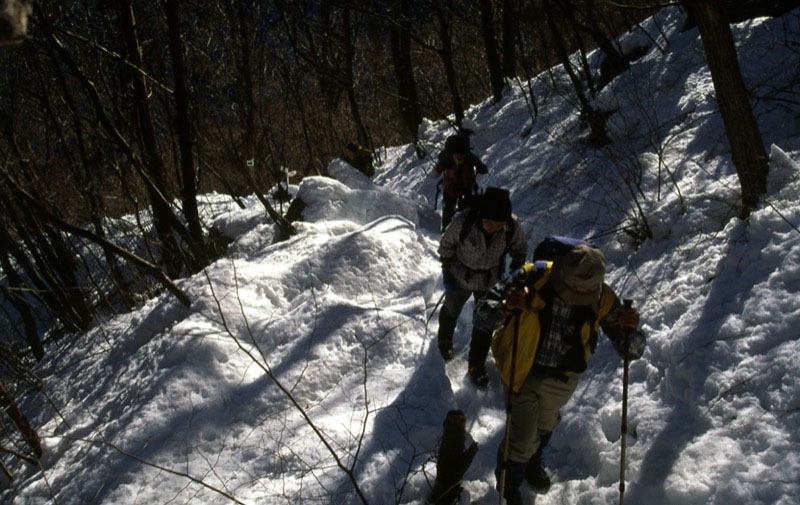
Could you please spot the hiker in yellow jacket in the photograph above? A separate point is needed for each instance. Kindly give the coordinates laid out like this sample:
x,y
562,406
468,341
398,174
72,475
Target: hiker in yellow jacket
x,y
560,307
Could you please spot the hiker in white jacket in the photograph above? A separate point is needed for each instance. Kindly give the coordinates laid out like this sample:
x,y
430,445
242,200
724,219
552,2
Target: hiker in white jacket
x,y
472,250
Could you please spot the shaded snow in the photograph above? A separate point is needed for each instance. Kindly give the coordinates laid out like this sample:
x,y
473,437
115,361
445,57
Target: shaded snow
x,y
337,316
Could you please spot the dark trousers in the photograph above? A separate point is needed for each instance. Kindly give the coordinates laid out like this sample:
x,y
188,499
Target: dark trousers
x,y
454,301
449,205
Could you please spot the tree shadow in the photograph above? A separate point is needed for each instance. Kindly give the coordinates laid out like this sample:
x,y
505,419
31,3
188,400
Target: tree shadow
x,y
683,381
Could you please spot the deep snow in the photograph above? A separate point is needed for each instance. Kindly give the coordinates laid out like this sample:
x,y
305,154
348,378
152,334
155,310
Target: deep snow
x,y
175,405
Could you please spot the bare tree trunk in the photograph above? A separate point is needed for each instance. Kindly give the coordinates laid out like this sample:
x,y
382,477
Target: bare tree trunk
x,y
90,179
55,264
490,46
563,56
306,49
246,81
747,148
400,39
300,103
576,36
594,118
41,290
30,436
153,187
326,56
184,128
446,54
509,22
64,264
349,54
171,253
14,293
613,63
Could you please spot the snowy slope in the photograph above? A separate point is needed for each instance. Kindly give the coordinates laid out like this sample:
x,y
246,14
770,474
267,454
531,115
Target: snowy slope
x,y
304,370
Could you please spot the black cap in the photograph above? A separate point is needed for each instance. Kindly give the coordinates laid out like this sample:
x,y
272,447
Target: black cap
x,y
457,144
495,204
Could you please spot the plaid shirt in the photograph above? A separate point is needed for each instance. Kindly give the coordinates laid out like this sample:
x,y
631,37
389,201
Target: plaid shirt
x,y
553,346
554,343
475,260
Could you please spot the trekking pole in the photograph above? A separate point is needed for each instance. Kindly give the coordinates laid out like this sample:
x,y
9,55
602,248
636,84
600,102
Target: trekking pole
x,y
434,309
506,436
438,191
624,428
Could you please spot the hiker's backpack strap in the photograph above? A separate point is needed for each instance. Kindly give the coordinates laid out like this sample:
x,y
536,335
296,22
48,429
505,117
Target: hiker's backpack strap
x,y
604,306
438,192
535,284
510,229
597,313
469,222
528,268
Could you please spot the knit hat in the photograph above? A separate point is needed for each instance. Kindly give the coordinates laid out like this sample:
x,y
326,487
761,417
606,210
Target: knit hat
x,y
495,204
457,144
578,275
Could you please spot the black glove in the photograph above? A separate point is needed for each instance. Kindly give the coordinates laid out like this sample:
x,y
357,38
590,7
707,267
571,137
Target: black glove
x,y
636,345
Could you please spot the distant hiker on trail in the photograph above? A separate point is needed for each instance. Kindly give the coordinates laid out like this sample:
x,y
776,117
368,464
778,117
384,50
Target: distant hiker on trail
x,y
554,311
459,167
472,250
281,191
360,158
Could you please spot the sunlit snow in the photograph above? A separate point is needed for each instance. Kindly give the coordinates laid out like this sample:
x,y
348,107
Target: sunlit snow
x,y
307,370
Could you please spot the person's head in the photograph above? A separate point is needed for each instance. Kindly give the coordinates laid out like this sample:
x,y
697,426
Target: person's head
x,y
492,226
350,150
458,147
494,209
578,275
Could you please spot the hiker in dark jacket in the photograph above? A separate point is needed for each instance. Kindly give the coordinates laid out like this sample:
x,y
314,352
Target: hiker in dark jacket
x,y
561,305
360,158
459,167
472,250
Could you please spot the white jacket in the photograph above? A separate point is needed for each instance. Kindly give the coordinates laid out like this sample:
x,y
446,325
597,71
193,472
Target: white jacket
x,y
475,260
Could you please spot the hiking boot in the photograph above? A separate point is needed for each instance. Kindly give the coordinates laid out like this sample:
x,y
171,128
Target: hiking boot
x,y
513,480
512,496
446,349
479,376
444,337
536,476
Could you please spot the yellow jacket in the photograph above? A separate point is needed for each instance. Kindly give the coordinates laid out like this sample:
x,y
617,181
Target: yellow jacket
x,y
529,330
